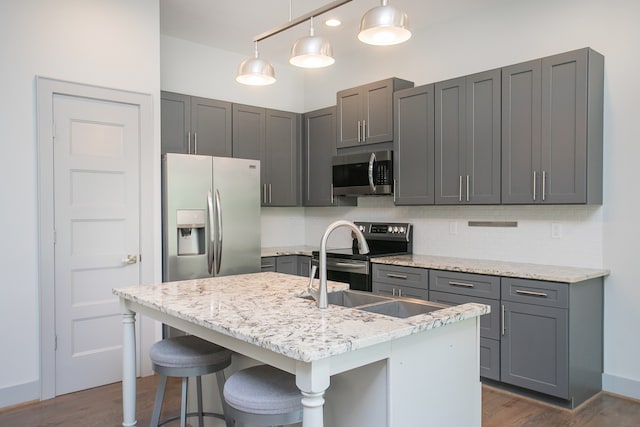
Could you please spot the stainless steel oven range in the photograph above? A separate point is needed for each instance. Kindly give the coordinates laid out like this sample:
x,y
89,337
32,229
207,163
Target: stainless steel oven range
x,y
348,265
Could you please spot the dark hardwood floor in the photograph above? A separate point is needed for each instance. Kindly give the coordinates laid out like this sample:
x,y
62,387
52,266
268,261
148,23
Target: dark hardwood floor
x,y
102,407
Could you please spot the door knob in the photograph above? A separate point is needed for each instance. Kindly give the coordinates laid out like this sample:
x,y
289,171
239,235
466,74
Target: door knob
x,y
130,259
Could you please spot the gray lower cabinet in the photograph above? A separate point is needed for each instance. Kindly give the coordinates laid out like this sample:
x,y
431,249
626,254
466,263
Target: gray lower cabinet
x,y
195,125
365,113
287,264
400,281
552,118
272,137
268,263
456,288
304,265
413,146
552,339
467,139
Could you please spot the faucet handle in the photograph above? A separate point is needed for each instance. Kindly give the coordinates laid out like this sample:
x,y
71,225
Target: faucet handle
x,y
312,274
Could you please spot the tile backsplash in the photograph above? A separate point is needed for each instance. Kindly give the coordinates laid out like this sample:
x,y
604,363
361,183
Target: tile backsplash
x,y
560,235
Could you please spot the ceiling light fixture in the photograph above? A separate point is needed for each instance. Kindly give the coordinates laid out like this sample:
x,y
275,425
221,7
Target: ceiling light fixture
x,y
255,71
311,51
332,22
384,25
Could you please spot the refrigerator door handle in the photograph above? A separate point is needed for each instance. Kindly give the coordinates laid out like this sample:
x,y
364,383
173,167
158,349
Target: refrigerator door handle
x,y
219,242
211,241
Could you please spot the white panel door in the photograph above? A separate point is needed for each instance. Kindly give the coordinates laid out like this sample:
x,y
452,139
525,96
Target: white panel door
x,y
97,221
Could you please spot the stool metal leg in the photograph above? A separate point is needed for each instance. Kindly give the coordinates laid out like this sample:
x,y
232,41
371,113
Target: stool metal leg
x,y
220,379
157,405
183,405
200,410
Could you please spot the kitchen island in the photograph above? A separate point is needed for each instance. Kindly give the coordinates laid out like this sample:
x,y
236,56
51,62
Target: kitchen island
x,y
399,370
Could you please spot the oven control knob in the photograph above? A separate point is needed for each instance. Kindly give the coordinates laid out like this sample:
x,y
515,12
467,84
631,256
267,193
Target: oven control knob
x,y
395,229
402,230
361,227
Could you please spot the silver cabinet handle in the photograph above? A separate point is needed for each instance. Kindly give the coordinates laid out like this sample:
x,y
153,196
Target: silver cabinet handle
x,y
331,193
189,142
270,200
460,188
264,194
534,186
211,237
195,143
467,188
267,265
394,190
219,218
130,259
462,284
544,184
364,131
399,292
372,161
397,276
531,293
502,319
359,132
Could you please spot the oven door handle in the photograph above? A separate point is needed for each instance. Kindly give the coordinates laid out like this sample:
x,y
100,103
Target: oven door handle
x,y
372,161
349,265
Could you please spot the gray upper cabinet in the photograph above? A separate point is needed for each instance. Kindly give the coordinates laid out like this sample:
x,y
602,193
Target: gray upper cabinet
x,y
319,147
467,139
552,112
272,137
194,125
365,113
413,146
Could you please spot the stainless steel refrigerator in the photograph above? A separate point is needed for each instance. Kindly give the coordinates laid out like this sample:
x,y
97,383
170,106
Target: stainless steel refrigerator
x,y
211,216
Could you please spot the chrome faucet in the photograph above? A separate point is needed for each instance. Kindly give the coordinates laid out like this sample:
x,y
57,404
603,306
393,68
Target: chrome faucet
x,y
320,294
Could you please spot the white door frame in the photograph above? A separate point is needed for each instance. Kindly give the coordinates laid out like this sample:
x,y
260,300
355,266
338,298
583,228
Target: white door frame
x,y
149,214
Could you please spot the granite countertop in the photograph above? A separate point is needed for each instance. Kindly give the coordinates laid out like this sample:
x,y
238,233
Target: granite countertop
x,y
288,250
263,309
552,273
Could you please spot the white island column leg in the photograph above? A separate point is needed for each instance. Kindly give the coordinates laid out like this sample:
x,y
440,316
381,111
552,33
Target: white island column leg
x,y
129,368
312,379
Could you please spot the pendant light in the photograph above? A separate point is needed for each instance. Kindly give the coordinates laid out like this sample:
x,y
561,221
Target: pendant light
x,y
311,51
255,71
384,25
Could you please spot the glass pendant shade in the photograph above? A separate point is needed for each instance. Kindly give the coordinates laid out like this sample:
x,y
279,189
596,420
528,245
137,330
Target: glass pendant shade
x,y
255,71
384,25
311,51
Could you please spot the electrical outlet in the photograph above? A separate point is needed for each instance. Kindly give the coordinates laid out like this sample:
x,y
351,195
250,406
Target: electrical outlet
x,y
453,227
556,230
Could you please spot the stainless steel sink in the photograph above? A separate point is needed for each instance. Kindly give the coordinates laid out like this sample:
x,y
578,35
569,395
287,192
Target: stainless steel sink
x,y
352,299
402,308
380,304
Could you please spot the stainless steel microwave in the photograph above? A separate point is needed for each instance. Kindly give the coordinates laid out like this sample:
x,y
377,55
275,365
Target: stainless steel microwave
x,y
363,174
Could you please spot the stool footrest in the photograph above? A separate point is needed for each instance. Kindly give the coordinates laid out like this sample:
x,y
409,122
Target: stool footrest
x,y
192,414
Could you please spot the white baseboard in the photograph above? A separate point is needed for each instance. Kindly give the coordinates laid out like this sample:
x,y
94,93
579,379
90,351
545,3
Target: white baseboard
x,y
20,393
622,386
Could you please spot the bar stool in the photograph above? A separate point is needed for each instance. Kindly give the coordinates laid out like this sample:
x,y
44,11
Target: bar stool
x,y
264,396
187,356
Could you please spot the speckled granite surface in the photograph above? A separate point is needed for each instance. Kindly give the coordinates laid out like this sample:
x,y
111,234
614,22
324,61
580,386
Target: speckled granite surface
x,y
288,250
264,309
552,273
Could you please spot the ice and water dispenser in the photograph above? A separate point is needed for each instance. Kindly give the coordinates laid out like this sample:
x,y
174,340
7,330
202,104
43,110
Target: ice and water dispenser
x,y
191,232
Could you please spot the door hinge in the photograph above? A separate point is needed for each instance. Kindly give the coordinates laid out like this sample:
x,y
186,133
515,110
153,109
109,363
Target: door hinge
x,y
55,237
55,345
53,131
140,257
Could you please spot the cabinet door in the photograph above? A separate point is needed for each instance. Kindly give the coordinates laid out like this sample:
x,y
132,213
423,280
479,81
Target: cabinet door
x,y
564,128
248,132
304,265
349,117
211,127
280,158
489,323
175,113
450,141
377,108
287,264
534,348
490,358
413,146
521,117
483,138
319,149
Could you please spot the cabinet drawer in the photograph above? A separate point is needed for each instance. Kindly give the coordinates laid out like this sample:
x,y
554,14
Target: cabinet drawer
x,y
268,263
476,285
400,291
489,323
401,276
548,294
490,359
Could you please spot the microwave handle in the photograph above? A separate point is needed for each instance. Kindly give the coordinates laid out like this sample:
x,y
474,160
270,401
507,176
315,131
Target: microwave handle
x,y
372,161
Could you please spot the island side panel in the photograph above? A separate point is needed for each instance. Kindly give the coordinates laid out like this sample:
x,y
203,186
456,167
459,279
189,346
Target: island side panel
x,y
434,377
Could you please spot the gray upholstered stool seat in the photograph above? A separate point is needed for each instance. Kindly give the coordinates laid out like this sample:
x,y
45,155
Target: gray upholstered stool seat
x,y
263,395
187,356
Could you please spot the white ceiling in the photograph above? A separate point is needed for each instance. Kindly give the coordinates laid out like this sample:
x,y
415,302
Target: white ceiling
x,y
232,24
